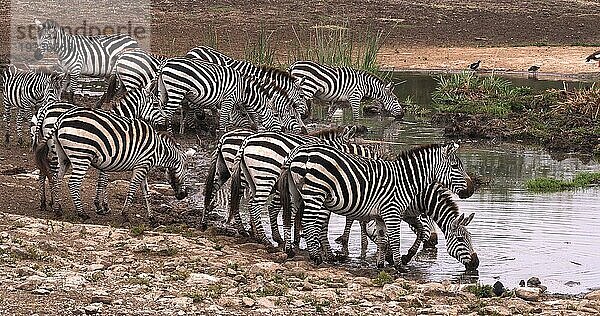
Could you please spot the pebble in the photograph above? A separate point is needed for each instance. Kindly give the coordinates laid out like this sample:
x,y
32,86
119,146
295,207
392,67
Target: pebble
x,y
41,291
595,295
248,302
201,278
93,308
528,293
265,302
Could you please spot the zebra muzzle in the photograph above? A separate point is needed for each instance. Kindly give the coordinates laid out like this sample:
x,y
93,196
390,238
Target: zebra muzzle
x,y
474,263
37,54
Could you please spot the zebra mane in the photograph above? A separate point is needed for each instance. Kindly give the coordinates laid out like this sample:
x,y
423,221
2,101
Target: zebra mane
x,y
266,86
276,72
49,24
372,76
407,153
330,131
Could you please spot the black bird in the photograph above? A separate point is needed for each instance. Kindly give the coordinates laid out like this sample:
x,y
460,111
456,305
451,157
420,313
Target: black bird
x,y
498,288
533,68
474,66
595,57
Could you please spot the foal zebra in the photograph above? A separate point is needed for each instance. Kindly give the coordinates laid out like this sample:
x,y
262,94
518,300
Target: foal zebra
x,y
27,91
436,203
259,160
80,54
110,143
210,85
345,84
327,180
266,74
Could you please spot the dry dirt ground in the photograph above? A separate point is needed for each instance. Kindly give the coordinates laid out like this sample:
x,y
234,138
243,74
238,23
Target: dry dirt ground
x,y
51,268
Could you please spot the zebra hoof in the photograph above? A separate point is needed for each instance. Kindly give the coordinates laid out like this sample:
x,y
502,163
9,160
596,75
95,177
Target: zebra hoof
x,y
401,269
43,207
57,210
405,259
271,249
290,253
103,211
380,265
203,226
317,259
389,258
83,216
341,257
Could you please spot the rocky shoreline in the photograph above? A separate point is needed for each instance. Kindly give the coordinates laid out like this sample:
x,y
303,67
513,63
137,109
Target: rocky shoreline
x,y
51,267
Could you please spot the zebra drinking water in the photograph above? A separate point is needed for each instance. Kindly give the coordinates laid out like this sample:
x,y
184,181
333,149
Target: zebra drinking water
x,y
345,84
266,74
110,143
327,180
79,54
27,91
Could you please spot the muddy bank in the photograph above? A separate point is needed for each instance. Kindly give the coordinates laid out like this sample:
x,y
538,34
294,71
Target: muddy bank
x,y
50,266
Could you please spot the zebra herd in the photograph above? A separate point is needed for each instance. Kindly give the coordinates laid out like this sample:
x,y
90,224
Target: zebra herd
x,y
264,151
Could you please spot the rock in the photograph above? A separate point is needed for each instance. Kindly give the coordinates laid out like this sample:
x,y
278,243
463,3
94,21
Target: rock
x,y
528,293
522,283
31,283
393,291
498,288
495,310
572,283
93,308
265,268
41,291
240,278
533,282
232,291
306,286
74,281
96,267
183,302
98,298
265,302
201,278
595,295
248,302
432,287
27,271
231,272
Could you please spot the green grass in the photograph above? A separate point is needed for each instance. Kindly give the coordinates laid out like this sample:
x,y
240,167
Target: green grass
x,y
383,278
138,230
260,52
480,290
581,180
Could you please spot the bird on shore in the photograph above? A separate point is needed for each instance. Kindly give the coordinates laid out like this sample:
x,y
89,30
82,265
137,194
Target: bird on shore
x,y
533,68
475,66
595,57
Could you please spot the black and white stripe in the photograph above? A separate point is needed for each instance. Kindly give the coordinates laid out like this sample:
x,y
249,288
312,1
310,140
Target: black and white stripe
x,y
213,86
258,163
345,84
282,79
327,180
435,204
110,143
26,91
79,54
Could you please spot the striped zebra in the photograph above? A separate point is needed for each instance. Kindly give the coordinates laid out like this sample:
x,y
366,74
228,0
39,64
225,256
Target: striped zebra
x,y
222,159
345,84
436,203
327,180
110,143
210,85
79,54
282,79
258,163
133,69
26,91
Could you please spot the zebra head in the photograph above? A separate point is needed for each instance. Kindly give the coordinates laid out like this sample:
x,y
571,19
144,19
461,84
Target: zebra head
x,y
57,84
48,36
300,101
175,160
385,98
458,242
143,105
270,118
451,172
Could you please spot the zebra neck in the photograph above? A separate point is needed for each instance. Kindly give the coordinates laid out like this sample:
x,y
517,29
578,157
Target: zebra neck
x,y
441,208
64,45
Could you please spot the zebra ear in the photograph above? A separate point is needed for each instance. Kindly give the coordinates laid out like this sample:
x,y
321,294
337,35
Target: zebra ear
x,y
389,87
38,23
451,148
349,132
468,220
299,81
458,221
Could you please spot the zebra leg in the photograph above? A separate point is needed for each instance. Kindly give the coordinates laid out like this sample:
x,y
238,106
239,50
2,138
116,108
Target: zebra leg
x,y
380,238
343,240
25,110
101,199
256,206
416,225
139,174
146,195
364,241
432,241
324,240
354,100
42,183
77,175
392,220
224,123
73,79
7,119
331,110
313,220
274,208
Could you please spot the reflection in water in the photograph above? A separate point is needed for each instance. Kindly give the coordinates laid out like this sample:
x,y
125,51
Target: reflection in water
x,y
516,234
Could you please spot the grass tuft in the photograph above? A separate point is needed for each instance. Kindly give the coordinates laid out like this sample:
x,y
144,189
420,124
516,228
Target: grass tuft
x,y
383,278
581,180
480,290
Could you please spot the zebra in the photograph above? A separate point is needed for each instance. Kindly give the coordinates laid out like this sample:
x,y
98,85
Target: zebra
x,y
110,143
80,54
27,91
436,203
266,74
327,180
141,104
133,69
258,161
345,84
211,85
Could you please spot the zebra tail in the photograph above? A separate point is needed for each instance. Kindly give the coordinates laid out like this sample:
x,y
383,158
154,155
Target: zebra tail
x,y
41,158
209,185
284,194
236,190
111,90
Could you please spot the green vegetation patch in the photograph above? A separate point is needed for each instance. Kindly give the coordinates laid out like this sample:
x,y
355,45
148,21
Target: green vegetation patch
x,y
581,180
383,278
480,290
